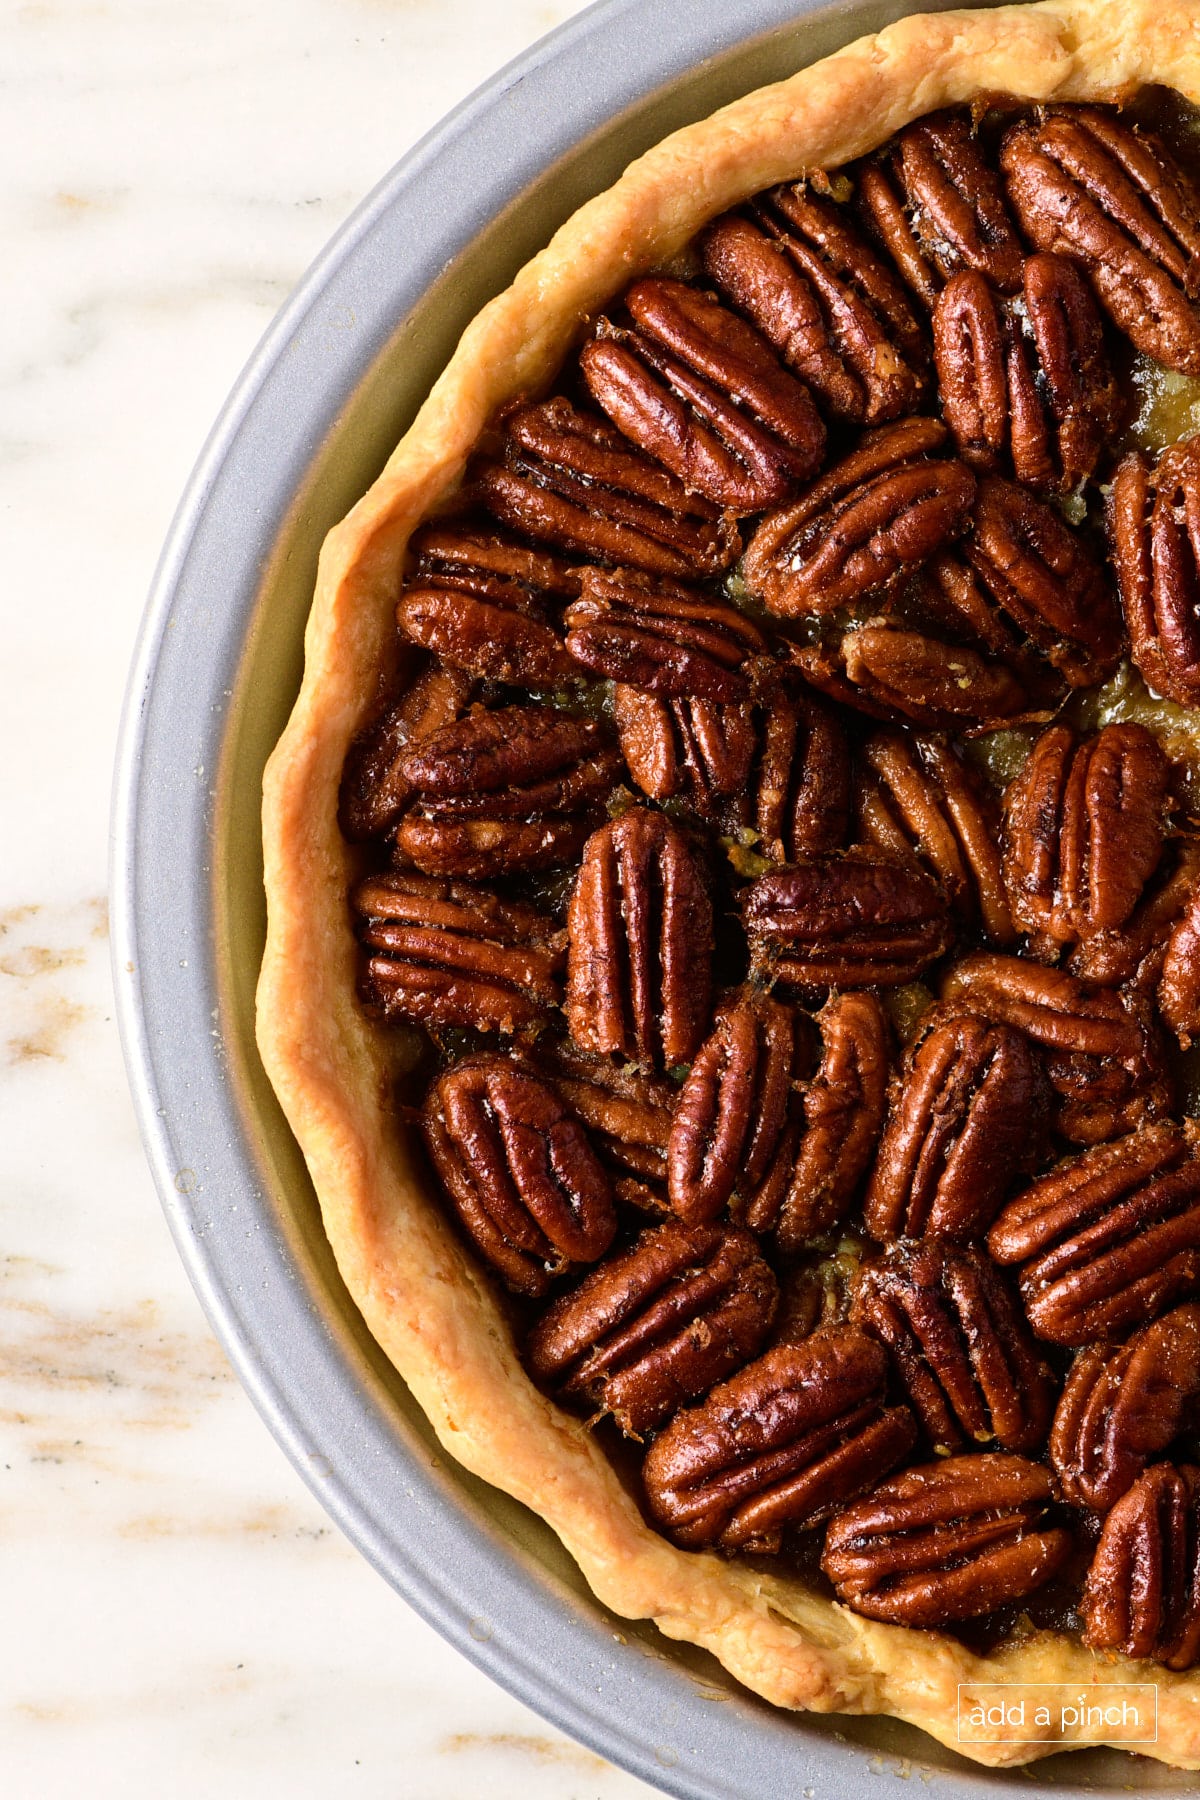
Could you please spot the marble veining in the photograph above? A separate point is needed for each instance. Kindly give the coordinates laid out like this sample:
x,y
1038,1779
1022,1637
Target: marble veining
x,y
180,1617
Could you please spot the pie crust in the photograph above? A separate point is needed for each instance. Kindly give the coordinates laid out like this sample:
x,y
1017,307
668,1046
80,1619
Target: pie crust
x,y
424,1299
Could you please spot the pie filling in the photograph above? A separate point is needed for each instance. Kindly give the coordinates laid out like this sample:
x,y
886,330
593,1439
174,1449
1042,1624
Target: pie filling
x,y
780,838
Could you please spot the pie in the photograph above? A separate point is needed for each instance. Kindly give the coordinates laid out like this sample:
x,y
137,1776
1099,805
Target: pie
x,y
734,900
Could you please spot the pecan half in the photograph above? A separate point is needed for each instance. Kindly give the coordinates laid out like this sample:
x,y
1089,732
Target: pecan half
x,y
515,788
969,1114
499,640
522,1176
831,307
1139,952
949,1540
949,600
1122,1406
842,1113
704,393
480,848
474,558
938,207
894,674
1040,572
850,920
731,1126
858,918
798,792
1142,1594
779,1446
681,746
375,790
640,943
569,479
960,1344
661,636
445,953
628,1115
659,1325
1154,528
1107,1239
1103,1054
780,769
514,760
1088,186
481,603
1083,831
916,795
1027,388
863,528
1179,986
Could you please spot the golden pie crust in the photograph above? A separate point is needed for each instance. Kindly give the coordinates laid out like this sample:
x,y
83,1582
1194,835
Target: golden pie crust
x,y
423,1298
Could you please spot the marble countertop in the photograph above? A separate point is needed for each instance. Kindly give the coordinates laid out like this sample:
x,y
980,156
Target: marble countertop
x,y
181,1619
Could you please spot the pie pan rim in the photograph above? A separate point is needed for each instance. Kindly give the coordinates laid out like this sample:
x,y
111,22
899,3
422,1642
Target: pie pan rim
x,y
177,1163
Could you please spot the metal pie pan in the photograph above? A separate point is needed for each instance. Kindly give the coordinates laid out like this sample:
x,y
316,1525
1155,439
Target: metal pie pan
x,y
333,384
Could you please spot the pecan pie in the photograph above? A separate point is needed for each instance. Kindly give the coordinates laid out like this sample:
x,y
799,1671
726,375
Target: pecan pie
x,y
734,878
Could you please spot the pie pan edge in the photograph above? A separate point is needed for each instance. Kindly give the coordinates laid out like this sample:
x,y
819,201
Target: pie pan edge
x,y
418,1291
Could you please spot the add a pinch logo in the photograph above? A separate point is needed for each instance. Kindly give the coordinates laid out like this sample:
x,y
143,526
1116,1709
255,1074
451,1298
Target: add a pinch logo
x,y
1102,1712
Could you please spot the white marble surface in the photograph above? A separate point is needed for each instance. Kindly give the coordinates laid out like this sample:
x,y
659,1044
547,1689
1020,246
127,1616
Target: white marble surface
x,y
180,1618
